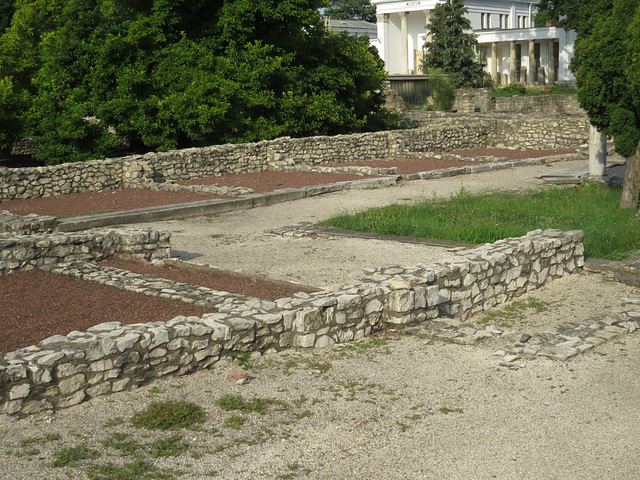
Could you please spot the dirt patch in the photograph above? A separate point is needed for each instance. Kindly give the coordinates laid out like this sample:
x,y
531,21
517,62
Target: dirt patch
x,y
408,165
214,278
57,304
89,203
268,181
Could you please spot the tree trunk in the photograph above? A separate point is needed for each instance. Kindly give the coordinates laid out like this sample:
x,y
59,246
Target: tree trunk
x,y
631,186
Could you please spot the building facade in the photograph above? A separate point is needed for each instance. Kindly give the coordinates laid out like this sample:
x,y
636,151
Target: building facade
x,y
512,50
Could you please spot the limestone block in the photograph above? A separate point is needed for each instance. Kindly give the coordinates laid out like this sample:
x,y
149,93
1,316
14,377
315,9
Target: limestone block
x,y
74,399
304,341
19,391
308,320
401,300
71,384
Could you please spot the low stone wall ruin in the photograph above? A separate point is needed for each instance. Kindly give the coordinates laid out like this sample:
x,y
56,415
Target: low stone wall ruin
x,y
471,100
25,252
435,133
65,370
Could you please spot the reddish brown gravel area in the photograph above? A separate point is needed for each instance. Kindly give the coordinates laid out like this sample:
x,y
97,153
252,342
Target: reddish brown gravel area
x,y
268,181
409,165
213,278
57,304
90,203
118,200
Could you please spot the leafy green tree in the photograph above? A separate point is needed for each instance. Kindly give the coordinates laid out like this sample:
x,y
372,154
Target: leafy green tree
x,y
351,10
174,73
606,66
563,13
7,7
452,48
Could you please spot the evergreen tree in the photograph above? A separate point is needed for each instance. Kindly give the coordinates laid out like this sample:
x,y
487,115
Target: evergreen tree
x,y
452,48
351,10
607,69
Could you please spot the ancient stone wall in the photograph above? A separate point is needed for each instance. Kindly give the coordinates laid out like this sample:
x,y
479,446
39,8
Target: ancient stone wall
x,y
65,370
438,133
470,100
543,104
25,252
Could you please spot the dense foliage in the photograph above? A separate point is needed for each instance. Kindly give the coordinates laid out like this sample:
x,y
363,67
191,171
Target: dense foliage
x,y
607,69
173,73
563,13
351,10
452,48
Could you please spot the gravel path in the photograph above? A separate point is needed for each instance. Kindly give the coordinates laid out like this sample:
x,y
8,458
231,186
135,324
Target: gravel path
x,y
389,407
239,240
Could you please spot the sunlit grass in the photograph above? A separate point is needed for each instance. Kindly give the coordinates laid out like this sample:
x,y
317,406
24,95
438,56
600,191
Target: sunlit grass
x,y
610,232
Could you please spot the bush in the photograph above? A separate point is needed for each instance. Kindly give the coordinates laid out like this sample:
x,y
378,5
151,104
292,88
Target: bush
x,y
441,91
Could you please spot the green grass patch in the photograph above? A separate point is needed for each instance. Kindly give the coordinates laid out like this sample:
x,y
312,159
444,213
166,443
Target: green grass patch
x,y
168,447
257,405
135,470
610,232
70,456
168,415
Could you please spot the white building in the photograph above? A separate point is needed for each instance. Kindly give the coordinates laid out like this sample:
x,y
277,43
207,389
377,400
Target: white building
x,y
512,49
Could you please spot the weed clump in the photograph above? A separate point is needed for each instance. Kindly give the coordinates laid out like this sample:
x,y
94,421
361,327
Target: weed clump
x,y
168,415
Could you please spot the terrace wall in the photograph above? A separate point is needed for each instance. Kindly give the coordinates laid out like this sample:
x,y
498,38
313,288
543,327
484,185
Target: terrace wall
x,y
65,370
438,133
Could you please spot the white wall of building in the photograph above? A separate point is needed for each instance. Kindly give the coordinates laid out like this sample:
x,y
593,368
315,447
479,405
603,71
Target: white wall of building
x,y
486,17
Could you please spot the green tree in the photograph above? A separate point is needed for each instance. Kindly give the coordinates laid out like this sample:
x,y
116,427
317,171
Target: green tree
x,y
174,73
452,48
563,13
606,66
351,10
7,7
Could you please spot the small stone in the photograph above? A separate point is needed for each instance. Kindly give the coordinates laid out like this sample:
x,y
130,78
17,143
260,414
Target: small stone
x,y
239,375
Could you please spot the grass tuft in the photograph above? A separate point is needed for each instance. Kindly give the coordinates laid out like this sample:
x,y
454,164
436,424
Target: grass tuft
x,y
168,415
236,402
70,456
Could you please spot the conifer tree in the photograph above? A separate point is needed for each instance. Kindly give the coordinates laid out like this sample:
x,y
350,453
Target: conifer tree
x,y
453,48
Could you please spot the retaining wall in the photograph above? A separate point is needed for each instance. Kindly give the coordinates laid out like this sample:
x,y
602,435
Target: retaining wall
x,y
65,370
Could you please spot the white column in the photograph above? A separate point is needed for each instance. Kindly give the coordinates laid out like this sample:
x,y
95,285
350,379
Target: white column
x,y
531,74
404,43
552,62
512,62
494,63
597,152
383,37
427,19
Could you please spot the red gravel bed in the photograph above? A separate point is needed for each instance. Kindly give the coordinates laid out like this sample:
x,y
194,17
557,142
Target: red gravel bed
x,y
89,203
213,278
57,304
268,181
408,165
